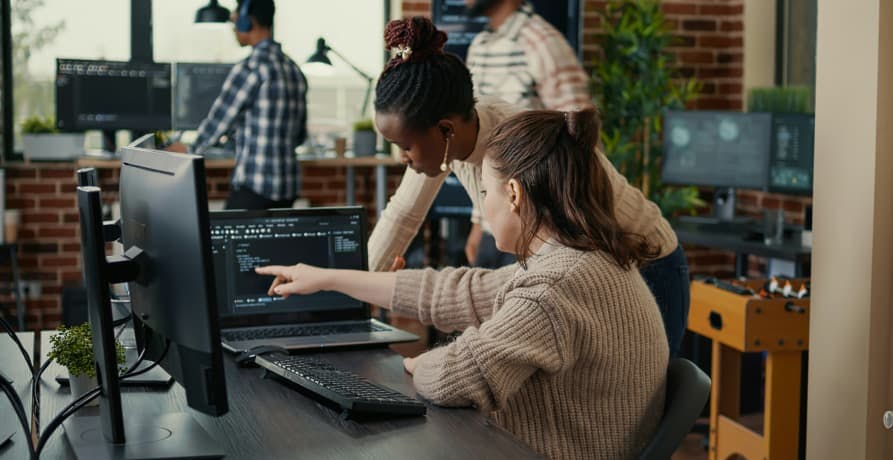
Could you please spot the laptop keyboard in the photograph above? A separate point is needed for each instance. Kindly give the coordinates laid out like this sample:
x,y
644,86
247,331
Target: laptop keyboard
x,y
300,331
349,391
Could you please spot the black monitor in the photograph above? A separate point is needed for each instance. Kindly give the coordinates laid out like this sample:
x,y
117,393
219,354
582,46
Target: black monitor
x,y
111,95
451,16
793,142
196,87
167,262
717,149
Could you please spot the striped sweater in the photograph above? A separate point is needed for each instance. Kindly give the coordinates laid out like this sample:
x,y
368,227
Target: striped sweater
x,y
527,62
569,355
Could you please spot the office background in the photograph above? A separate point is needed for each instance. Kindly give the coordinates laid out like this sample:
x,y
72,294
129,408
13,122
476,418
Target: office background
x,y
716,42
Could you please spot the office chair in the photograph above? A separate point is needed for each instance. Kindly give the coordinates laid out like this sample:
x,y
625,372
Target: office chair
x,y
688,388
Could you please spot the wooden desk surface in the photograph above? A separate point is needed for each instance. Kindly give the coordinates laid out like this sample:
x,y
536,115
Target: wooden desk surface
x,y
267,419
15,369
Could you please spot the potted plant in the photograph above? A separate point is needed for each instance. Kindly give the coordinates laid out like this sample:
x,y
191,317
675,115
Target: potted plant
x,y
633,84
72,347
364,138
43,142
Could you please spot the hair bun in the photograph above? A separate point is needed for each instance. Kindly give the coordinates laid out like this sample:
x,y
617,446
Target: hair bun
x,y
414,39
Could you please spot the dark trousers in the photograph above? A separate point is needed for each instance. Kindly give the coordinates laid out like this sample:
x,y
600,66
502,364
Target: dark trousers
x,y
243,198
668,279
490,257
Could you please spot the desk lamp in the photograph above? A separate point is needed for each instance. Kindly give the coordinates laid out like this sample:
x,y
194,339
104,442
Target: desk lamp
x,y
320,56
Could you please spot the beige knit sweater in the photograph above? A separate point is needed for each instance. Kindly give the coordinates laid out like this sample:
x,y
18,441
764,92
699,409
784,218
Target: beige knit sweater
x,y
401,219
569,355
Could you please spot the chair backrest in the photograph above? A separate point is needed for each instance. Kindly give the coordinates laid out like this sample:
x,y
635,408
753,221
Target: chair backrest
x,y
688,388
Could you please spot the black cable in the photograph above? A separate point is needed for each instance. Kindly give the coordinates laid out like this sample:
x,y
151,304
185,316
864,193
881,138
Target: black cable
x,y
19,408
89,396
66,412
18,342
35,395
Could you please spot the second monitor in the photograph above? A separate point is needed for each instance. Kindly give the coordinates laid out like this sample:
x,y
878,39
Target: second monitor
x,y
196,87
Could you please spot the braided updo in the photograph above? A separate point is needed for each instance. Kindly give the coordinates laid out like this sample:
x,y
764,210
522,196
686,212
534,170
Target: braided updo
x,y
421,82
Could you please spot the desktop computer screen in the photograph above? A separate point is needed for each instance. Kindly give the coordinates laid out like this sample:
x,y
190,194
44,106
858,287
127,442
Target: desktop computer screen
x,y
112,95
196,87
793,142
719,149
451,17
167,263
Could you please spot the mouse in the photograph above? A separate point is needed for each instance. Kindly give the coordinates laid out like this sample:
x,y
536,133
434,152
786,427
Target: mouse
x,y
246,357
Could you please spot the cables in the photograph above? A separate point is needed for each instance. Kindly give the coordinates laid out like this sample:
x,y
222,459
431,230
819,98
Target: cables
x,y
19,408
70,409
18,342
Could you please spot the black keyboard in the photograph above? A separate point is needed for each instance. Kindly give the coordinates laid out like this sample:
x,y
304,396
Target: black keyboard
x,y
299,331
349,391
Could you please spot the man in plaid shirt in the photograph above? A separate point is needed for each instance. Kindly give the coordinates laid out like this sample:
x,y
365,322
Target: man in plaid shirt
x,y
264,101
524,60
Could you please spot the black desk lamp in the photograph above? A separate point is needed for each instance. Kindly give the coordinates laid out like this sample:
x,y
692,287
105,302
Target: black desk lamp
x,y
321,56
212,13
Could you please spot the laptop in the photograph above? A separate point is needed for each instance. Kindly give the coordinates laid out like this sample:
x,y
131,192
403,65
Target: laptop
x,y
325,237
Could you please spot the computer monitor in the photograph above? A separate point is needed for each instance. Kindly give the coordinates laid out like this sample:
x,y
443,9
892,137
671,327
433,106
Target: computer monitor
x,y
196,87
167,262
793,142
716,149
111,95
451,16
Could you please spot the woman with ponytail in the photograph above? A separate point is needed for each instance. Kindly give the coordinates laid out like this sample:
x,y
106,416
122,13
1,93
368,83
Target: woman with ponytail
x,y
424,105
566,348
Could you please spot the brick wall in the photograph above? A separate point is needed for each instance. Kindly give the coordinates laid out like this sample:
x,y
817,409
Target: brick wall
x,y
49,236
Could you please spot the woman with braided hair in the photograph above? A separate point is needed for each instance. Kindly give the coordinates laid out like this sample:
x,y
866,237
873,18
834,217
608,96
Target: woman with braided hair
x,y
424,104
566,348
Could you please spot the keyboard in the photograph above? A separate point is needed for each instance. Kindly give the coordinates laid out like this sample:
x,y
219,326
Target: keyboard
x,y
299,331
352,393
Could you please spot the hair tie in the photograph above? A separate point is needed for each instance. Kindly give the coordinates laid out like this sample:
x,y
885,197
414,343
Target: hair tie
x,y
403,52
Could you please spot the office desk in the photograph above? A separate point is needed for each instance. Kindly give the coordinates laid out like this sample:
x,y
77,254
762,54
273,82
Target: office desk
x,y
12,364
744,244
380,162
266,419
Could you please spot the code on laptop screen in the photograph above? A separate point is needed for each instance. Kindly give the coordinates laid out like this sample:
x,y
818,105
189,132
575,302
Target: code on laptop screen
x,y
239,245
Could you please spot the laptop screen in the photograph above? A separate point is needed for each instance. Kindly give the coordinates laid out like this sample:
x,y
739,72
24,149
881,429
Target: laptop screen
x,y
243,240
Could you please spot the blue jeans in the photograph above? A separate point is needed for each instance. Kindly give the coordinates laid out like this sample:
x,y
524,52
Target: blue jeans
x,y
668,279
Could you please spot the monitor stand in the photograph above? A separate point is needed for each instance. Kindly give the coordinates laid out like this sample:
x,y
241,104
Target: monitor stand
x,y
173,435
163,436
723,211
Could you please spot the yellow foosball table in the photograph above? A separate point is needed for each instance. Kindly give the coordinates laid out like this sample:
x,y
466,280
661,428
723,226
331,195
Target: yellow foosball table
x,y
753,316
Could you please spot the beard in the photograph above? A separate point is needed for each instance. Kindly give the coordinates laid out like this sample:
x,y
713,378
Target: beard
x,y
480,7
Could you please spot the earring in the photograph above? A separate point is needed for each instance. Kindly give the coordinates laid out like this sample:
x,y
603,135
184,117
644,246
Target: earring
x,y
443,166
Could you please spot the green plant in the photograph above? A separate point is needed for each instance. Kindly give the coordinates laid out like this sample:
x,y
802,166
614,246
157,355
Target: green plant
x,y
38,125
363,125
72,347
633,85
796,99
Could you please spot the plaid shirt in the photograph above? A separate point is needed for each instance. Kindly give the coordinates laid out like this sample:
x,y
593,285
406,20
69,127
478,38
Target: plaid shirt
x,y
528,63
264,98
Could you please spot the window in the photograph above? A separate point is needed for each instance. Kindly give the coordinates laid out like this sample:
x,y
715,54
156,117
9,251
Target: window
x,y
43,30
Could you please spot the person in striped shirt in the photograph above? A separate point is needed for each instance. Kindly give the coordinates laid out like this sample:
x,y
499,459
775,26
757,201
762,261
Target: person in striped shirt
x,y
523,60
264,100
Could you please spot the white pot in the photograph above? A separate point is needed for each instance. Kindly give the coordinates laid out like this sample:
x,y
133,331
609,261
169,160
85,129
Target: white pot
x,y
59,146
80,385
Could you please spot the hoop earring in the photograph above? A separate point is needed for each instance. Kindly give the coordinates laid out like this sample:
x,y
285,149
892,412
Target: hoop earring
x,y
443,166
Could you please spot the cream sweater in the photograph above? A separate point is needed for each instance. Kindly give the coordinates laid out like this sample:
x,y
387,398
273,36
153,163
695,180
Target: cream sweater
x,y
401,219
569,355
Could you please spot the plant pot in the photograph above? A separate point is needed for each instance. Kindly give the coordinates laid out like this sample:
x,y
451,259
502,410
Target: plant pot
x,y
80,385
53,147
364,143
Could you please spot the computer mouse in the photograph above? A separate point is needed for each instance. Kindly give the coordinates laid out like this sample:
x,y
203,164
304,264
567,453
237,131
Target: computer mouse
x,y
246,357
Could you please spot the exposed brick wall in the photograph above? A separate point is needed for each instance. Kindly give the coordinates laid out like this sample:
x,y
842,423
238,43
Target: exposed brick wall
x,y
49,236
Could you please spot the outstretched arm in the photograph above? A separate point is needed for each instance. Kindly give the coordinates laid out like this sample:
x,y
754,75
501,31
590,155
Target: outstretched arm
x,y
371,287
